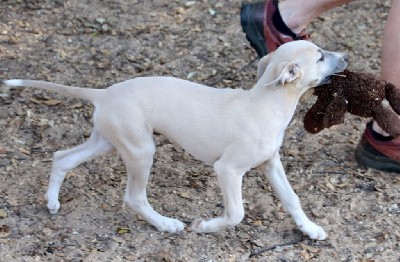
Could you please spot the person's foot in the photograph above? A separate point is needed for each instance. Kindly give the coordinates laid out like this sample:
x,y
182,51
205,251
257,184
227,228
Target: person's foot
x,y
264,27
378,152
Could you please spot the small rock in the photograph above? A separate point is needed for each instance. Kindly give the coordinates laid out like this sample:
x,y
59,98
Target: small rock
x,y
190,3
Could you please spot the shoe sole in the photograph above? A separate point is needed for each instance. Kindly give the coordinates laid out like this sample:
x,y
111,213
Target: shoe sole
x,y
368,156
254,32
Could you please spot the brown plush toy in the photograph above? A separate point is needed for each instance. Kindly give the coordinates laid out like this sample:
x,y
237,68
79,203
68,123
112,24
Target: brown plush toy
x,y
361,94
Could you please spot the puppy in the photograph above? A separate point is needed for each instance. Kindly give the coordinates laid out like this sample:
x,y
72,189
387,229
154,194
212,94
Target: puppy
x,y
232,129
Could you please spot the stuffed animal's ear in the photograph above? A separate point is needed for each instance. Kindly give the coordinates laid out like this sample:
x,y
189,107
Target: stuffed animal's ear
x,y
262,64
289,73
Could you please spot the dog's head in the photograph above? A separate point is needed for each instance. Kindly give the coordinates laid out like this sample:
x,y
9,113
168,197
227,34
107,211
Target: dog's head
x,y
300,65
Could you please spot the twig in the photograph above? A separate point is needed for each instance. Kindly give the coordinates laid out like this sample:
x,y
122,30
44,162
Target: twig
x,y
339,75
329,172
256,252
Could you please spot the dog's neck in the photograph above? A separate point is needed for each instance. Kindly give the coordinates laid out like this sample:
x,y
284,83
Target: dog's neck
x,y
282,99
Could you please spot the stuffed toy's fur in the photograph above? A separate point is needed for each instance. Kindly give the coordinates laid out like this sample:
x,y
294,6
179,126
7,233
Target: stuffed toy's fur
x,y
361,94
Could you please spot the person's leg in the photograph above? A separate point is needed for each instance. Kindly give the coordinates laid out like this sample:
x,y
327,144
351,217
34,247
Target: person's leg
x,y
390,63
297,14
272,23
390,60
377,149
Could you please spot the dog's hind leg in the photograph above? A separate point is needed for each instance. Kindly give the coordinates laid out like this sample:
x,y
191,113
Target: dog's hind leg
x,y
290,201
65,160
138,158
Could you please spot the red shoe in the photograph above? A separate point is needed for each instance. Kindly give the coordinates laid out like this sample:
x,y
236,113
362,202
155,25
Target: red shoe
x,y
257,22
378,152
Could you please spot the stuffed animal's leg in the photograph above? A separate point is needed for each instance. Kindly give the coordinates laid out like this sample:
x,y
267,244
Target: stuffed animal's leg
x,y
276,175
321,116
393,96
314,119
388,120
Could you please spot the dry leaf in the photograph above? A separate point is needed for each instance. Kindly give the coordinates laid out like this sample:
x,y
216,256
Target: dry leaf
x,y
24,151
76,105
330,186
231,259
34,100
185,195
118,240
257,223
47,231
309,248
51,226
52,102
104,206
5,231
305,255
131,257
3,150
3,213
181,10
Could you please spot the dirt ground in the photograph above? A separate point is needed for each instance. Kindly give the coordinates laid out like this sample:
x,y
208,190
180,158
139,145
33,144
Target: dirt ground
x,y
96,43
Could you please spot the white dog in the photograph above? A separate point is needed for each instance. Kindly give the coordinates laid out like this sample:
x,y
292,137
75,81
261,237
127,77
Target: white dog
x,y
232,129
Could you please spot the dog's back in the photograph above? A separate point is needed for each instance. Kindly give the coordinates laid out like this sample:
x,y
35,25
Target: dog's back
x,y
188,113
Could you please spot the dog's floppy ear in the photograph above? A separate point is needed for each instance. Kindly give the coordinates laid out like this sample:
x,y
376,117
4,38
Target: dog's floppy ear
x,y
289,73
262,64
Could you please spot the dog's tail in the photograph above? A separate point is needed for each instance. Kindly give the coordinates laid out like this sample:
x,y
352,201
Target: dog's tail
x,y
77,92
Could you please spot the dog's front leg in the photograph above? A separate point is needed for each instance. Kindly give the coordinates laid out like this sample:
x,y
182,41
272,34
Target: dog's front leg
x,y
230,182
138,159
276,175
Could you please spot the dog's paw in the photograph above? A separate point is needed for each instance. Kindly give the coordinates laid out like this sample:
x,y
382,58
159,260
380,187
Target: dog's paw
x,y
203,226
170,225
313,231
198,226
53,205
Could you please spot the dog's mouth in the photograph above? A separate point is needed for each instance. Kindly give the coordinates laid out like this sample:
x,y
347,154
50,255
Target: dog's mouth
x,y
328,79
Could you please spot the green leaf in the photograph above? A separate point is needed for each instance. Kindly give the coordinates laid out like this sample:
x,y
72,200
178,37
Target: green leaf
x,y
123,230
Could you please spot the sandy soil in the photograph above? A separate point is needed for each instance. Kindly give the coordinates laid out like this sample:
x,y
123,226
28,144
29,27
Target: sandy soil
x,y
96,43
